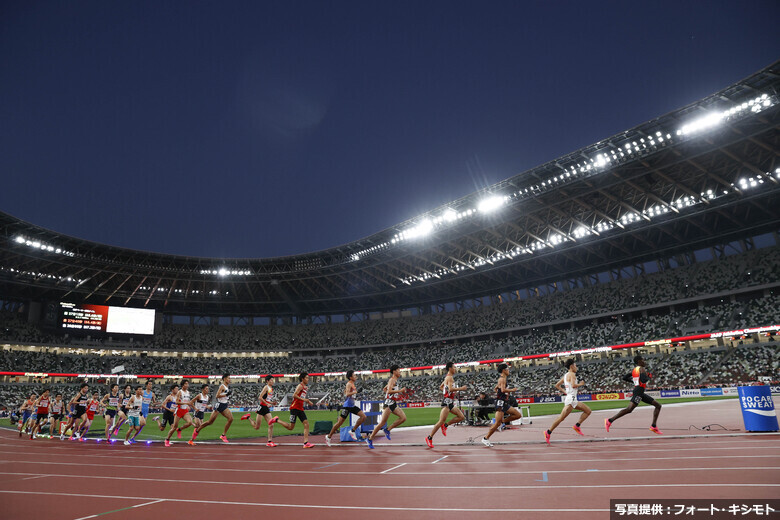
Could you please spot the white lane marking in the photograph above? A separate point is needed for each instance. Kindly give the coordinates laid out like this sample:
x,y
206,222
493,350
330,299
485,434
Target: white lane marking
x,y
389,486
394,467
137,505
437,460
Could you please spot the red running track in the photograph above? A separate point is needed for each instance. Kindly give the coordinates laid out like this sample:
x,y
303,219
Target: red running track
x,y
66,480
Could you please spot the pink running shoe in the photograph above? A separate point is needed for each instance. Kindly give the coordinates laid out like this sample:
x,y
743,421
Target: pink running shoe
x,y
191,443
246,416
429,442
308,445
577,429
273,420
607,424
656,430
444,429
167,443
271,444
546,437
224,439
178,433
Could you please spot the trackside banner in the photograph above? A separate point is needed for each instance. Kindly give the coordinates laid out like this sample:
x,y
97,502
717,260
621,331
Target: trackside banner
x,y
758,409
547,399
670,393
711,391
690,392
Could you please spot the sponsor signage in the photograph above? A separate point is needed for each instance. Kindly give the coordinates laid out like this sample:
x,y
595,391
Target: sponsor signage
x,y
692,392
608,397
775,389
758,409
670,393
584,397
525,400
415,405
655,394
731,390
711,391
546,399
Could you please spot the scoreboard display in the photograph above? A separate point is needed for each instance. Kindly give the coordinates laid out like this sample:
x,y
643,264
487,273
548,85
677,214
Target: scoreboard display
x,y
104,318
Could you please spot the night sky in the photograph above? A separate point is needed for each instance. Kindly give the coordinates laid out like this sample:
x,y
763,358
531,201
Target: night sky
x,y
262,129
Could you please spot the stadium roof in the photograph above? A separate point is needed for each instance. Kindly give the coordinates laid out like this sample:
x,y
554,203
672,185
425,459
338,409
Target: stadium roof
x,y
702,175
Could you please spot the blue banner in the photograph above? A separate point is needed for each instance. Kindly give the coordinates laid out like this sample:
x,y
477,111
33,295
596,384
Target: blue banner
x,y
711,391
670,393
584,397
548,399
758,409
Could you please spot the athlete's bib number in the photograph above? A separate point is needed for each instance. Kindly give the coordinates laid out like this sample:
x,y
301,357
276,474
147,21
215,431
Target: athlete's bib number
x,y
447,401
389,402
499,403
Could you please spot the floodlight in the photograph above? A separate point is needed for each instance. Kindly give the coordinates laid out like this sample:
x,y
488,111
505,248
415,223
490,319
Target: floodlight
x,y
490,204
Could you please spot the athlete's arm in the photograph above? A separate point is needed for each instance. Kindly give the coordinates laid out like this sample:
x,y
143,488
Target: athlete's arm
x,y
351,389
221,392
559,386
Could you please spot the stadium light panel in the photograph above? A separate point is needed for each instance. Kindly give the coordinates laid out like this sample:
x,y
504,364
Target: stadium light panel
x,y
491,204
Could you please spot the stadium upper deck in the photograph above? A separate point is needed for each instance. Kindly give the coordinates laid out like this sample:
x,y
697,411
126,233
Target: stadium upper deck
x,y
702,175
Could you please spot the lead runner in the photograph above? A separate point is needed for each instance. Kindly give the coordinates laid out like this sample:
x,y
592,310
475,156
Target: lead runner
x,y
570,402
391,406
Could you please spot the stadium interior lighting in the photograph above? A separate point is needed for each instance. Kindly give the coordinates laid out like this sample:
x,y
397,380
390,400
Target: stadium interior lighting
x,y
35,244
491,203
450,215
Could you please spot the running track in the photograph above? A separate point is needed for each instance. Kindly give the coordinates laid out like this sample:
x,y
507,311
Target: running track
x,y
69,480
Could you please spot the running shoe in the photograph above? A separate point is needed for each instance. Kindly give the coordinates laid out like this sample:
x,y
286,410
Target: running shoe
x,y
308,445
546,437
167,443
577,429
327,440
429,442
271,444
444,429
387,432
607,424
273,420
191,442
82,439
62,436
487,442
501,427
370,444
77,435
156,419
246,416
353,435
127,443
224,439
195,434
656,430
178,433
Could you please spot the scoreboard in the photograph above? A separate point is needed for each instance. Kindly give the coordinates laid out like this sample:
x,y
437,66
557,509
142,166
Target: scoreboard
x,y
104,318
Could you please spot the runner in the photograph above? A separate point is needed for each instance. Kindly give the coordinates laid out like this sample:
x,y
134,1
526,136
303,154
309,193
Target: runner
x,y
183,403
78,407
42,405
502,403
127,393
447,405
569,380
110,404
296,409
135,420
55,415
169,409
201,403
149,400
265,411
223,396
640,377
26,410
391,406
348,408
93,406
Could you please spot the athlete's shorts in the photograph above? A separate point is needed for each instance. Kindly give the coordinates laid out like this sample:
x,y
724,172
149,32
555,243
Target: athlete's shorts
x,y
346,410
295,414
42,417
78,413
167,417
111,413
448,402
389,403
26,415
124,410
569,400
181,412
134,420
90,415
263,411
641,396
200,415
56,416
221,407
145,412
502,406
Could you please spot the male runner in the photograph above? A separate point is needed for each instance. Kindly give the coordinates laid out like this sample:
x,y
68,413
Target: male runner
x,y
79,407
127,393
26,410
640,377
110,404
391,406
135,420
502,403
93,406
265,411
348,408
169,409
56,414
149,400
200,404
296,409
570,402
42,404
183,403
223,396
447,404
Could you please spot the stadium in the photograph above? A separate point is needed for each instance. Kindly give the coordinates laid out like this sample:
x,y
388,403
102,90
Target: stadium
x,y
660,242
